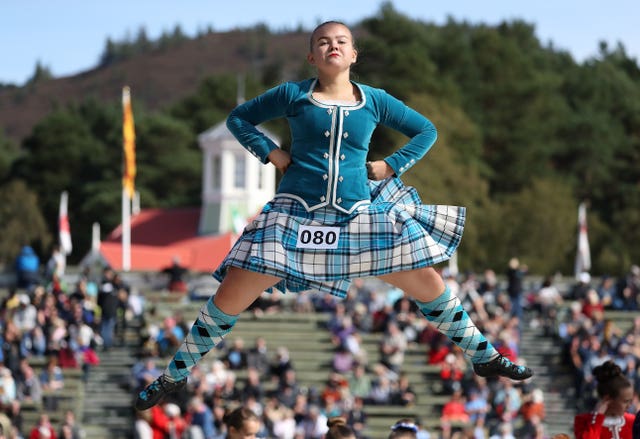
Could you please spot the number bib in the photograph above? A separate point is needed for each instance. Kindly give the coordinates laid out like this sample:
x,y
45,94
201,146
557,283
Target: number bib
x,y
318,237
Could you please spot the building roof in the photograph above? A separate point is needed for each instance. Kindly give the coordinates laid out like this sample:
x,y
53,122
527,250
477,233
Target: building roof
x,y
159,235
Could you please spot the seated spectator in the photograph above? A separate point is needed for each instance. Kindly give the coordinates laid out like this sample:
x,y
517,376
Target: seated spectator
x,y
176,274
69,428
252,385
258,357
342,360
43,429
507,400
281,363
393,347
201,416
51,381
403,394
236,357
477,408
453,413
288,388
357,417
359,382
29,388
169,337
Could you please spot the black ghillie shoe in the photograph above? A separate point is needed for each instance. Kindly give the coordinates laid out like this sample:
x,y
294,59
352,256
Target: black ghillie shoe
x,y
502,366
156,391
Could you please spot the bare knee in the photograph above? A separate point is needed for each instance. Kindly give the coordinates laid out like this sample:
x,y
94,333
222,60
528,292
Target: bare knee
x,y
423,284
240,288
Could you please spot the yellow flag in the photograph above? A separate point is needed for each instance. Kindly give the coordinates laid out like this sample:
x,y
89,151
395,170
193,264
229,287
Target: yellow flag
x,y
129,144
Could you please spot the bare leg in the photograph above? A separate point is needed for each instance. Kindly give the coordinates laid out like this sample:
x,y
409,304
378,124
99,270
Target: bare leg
x,y
240,288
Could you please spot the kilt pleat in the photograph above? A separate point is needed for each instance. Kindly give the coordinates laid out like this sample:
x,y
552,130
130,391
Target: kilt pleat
x,y
396,232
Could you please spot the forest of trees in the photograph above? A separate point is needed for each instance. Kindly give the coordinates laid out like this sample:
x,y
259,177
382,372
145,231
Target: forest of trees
x,y
525,134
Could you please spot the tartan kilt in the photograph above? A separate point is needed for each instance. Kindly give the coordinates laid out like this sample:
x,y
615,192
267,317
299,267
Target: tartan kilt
x,y
396,232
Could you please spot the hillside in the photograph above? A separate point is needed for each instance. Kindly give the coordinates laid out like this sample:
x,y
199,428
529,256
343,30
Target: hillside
x,y
158,78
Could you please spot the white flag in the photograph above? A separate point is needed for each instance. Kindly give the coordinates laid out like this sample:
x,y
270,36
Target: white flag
x,y
583,255
63,225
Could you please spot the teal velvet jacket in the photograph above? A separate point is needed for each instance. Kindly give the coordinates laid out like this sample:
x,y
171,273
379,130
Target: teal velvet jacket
x,y
330,142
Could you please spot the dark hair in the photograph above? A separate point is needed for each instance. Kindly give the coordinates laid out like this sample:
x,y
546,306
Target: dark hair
x,y
237,417
611,379
338,429
326,23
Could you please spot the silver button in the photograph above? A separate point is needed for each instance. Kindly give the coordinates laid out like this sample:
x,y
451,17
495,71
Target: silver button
x,y
329,110
322,198
342,157
339,200
341,178
346,113
327,133
401,168
345,135
326,155
325,176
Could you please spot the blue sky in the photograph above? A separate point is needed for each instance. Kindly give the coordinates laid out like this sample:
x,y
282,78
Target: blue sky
x,y
68,36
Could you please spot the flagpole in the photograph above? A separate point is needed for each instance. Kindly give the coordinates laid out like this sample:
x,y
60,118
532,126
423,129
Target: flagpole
x,y
126,231
128,177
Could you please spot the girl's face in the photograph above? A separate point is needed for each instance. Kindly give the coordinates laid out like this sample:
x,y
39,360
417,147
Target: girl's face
x,y
249,430
332,48
619,405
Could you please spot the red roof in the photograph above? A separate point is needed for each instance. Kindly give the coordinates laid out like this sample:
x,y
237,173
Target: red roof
x,y
159,235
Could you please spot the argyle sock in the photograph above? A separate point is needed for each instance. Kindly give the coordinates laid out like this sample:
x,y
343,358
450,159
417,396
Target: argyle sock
x,y
207,331
448,316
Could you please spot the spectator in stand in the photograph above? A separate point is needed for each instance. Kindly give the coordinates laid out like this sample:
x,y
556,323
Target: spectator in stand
x,y
579,290
357,417
29,387
108,302
314,424
453,413
282,363
69,428
533,412
359,381
507,401
628,290
57,264
252,385
258,357
515,289
51,381
43,429
403,394
236,357
169,337
200,416
547,302
176,273
609,418
27,268
393,347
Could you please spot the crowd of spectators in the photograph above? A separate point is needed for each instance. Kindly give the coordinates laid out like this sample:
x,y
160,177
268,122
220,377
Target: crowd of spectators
x,y
49,328
589,338
357,377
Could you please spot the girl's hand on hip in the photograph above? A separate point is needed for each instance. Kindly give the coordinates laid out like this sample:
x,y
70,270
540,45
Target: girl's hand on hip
x,y
280,159
378,170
